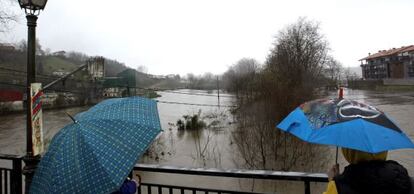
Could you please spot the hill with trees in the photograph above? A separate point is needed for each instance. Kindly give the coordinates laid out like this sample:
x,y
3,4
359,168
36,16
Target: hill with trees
x,y
56,64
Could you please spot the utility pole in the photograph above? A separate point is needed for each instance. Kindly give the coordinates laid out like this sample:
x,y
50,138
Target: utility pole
x,y
218,92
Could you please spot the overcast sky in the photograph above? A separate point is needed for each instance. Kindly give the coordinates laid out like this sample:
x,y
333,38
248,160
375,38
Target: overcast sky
x,y
181,36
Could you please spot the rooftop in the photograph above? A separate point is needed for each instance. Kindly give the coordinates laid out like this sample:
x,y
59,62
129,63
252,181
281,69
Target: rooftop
x,y
389,52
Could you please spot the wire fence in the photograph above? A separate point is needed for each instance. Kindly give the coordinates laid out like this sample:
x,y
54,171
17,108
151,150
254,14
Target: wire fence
x,y
23,74
196,104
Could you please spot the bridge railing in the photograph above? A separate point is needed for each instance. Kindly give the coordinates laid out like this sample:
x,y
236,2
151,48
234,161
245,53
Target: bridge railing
x,y
149,188
11,177
11,174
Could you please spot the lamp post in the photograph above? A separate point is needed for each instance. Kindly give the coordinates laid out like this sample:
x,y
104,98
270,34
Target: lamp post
x,y
32,9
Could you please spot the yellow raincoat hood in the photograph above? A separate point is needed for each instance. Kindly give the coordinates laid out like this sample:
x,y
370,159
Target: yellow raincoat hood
x,y
355,156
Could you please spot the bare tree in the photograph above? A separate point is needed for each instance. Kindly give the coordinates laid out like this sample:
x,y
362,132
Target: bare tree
x,y
77,57
207,81
349,75
288,78
295,65
22,46
7,17
299,53
142,69
241,76
333,70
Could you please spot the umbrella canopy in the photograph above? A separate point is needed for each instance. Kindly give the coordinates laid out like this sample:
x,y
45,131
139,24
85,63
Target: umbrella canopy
x,y
345,123
96,152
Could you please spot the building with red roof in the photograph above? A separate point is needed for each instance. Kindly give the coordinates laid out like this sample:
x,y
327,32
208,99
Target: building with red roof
x,y
395,63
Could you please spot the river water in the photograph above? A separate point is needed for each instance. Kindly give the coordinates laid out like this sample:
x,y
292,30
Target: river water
x,y
178,148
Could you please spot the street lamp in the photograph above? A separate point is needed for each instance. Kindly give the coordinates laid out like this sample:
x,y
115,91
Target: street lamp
x,y
32,9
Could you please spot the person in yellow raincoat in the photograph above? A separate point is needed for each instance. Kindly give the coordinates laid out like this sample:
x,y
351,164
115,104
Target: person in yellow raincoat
x,y
369,173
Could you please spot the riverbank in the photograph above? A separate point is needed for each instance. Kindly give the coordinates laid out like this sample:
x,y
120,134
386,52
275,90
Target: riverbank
x,y
19,107
385,85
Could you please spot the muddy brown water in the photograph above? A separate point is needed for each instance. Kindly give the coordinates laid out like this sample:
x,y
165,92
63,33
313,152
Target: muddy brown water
x,y
178,148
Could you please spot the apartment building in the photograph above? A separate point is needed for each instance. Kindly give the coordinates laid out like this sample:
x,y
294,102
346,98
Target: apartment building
x,y
395,63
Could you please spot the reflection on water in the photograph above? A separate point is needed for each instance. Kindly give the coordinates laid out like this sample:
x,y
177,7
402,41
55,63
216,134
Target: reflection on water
x,y
181,148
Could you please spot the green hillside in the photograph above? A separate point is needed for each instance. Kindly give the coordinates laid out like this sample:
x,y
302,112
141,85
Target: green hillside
x,y
13,66
52,64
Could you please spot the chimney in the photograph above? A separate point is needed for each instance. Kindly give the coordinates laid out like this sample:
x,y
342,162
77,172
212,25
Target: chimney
x,y
369,54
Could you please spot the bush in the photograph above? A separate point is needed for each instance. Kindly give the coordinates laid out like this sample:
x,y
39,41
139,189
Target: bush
x,y
191,122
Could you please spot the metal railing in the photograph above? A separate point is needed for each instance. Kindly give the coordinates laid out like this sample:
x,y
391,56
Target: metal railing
x,y
149,188
11,176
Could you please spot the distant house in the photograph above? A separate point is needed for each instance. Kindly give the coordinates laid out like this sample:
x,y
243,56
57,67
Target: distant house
x,y
158,76
6,47
59,53
395,63
113,92
172,76
60,73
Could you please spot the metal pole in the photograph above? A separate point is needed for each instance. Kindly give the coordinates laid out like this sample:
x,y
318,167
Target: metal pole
x,y
16,176
218,92
307,187
30,160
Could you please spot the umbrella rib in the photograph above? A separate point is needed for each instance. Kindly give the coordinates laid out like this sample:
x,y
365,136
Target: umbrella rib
x,y
370,145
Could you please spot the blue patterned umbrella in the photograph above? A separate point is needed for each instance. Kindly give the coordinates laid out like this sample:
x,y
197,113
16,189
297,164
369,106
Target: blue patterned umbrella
x,y
345,123
96,152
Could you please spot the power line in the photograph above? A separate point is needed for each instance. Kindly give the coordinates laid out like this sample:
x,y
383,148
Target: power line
x,y
48,89
15,70
19,85
174,92
196,94
195,104
40,75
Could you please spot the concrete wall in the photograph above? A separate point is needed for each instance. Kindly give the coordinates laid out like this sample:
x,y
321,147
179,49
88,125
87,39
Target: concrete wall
x,y
49,101
13,106
364,84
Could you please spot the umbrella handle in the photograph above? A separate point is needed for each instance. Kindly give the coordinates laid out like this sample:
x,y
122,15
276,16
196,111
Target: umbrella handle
x,y
73,119
336,155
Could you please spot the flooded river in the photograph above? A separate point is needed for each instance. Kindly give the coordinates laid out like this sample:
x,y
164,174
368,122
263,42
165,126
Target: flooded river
x,y
179,148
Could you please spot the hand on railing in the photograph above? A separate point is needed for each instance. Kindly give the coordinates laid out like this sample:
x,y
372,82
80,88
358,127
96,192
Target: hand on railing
x,y
139,180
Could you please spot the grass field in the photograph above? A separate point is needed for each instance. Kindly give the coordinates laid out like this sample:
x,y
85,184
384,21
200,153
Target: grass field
x,y
52,64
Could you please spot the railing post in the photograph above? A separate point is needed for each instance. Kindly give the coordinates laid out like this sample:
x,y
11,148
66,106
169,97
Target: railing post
x,y
16,176
307,187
